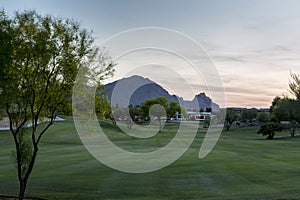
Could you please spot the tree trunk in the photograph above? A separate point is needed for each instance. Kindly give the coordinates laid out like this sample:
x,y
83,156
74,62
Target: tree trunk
x,y
227,126
23,185
159,120
23,181
292,132
271,136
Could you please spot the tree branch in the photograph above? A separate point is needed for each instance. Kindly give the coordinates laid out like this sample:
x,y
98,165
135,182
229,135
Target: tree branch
x,y
47,127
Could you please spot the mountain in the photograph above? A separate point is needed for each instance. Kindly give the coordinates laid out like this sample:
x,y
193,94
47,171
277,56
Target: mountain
x,y
136,89
199,101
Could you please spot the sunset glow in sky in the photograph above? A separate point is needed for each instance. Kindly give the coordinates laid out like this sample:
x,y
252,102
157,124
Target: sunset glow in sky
x,y
253,44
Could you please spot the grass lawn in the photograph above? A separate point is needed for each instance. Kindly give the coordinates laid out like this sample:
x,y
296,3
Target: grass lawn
x,y
241,166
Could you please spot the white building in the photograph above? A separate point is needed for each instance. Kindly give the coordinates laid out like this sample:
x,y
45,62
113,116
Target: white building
x,y
199,116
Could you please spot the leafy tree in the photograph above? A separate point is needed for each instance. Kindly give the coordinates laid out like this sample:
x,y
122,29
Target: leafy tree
x,y
6,52
40,57
1,113
66,106
284,110
263,117
135,112
173,108
274,103
155,108
268,129
230,117
248,115
294,86
102,105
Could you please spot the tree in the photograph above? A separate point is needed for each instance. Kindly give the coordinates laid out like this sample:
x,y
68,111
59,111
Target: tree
x,y
155,108
6,52
284,110
294,85
102,105
274,103
248,115
173,108
268,129
42,55
287,111
263,117
230,117
135,112
66,106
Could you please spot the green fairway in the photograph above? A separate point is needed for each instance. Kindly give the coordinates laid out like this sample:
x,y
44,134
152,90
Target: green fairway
x,y
241,166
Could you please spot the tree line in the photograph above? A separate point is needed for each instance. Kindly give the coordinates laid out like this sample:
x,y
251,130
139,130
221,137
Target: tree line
x,y
155,108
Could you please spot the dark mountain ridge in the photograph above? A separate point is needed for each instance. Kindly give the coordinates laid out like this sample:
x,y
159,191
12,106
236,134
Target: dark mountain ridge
x,y
136,89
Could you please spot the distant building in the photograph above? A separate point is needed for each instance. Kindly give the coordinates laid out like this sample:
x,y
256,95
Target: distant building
x,y
199,116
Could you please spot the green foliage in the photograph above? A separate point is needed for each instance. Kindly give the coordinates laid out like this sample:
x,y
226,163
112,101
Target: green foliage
x,y
159,107
274,103
173,108
145,106
40,58
135,112
25,152
102,105
65,108
248,115
268,129
292,106
285,110
230,117
294,86
263,117
1,113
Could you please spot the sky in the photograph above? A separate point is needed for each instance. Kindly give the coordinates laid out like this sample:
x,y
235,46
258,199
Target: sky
x,y
254,45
